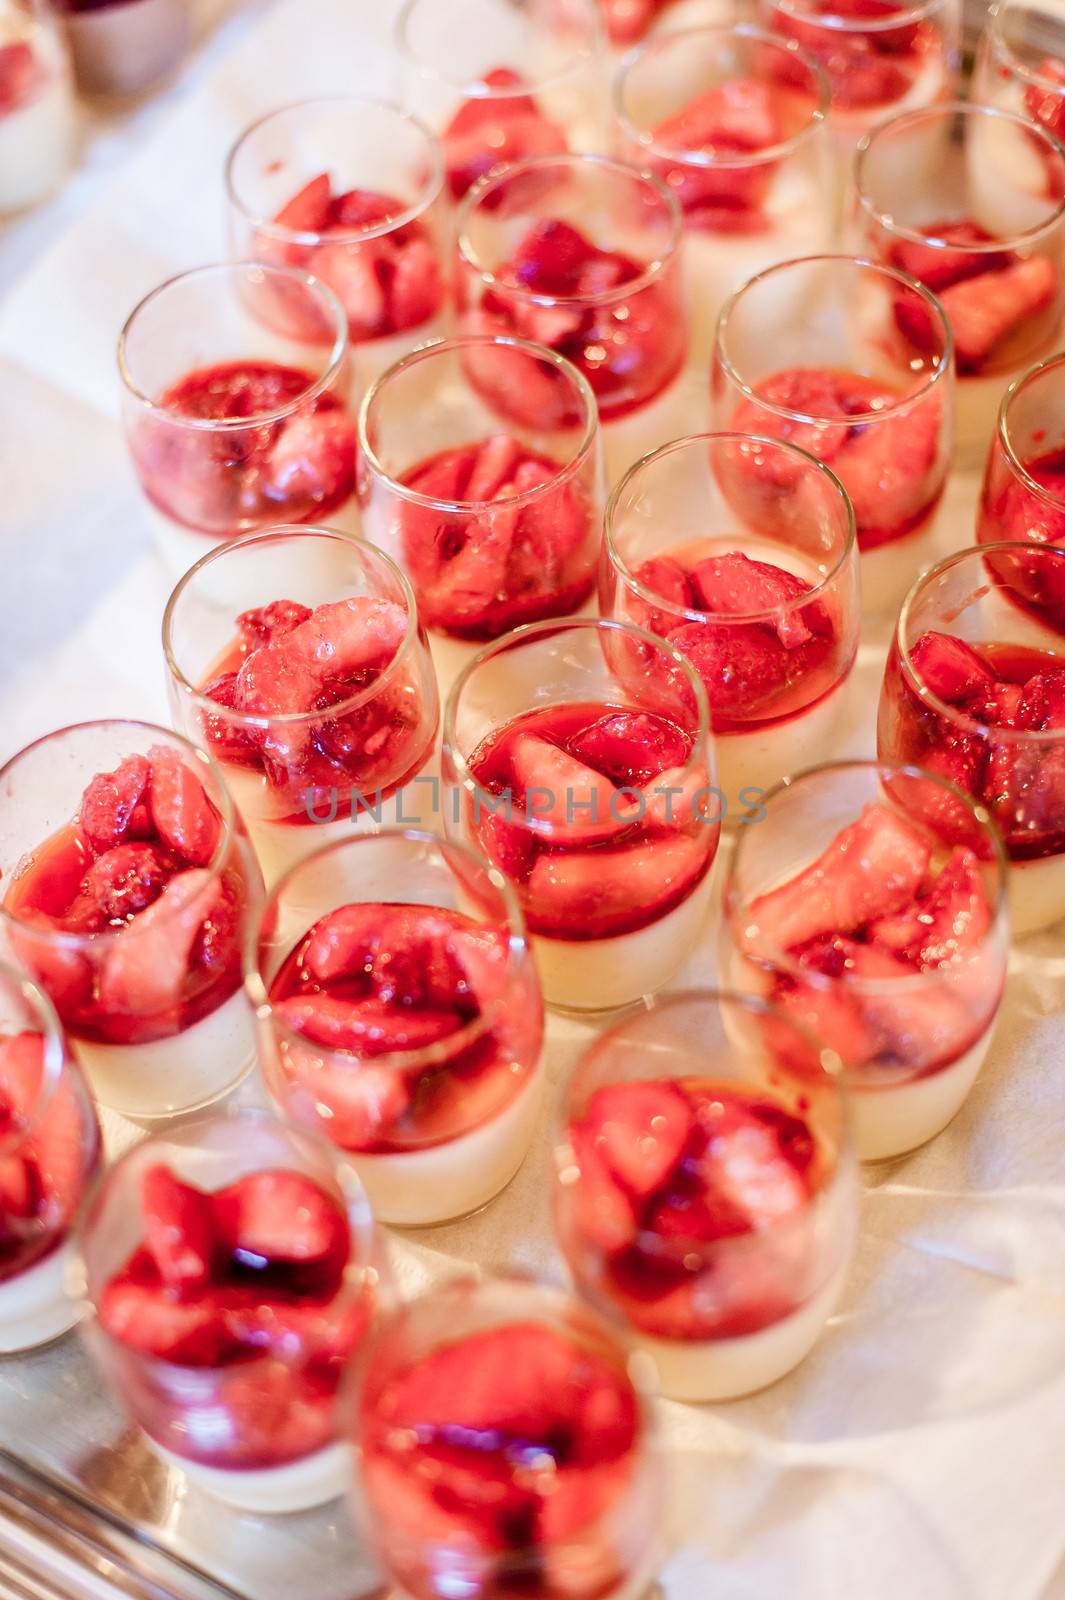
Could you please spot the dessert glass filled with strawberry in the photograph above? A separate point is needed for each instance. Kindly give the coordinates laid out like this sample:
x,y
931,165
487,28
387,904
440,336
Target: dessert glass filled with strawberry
x,y
400,1015
49,1151
233,1273
505,1450
348,189
974,690
500,84
705,1189
233,426
1020,63
122,48
880,57
296,657
499,523
764,604
733,122
577,758
129,885
970,200
582,255
869,905
819,352
36,105
1023,493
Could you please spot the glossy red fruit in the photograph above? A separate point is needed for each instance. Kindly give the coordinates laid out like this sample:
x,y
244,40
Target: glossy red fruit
x,y
496,130
948,923
368,1027
600,888
642,1131
984,310
188,1333
110,801
145,967
831,1015
949,668
270,1218
744,666
936,267
185,819
178,1230
119,884
630,747
308,210
734,585
605,1215
559,789
264,623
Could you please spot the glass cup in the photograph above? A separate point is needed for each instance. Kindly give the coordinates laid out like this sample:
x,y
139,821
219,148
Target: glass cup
x,y
348,189
582,255
817,352
233,425
577,758
869,904
49,1151
881,58
493,526
37,118
971,201
232,1270
974,690
328,731
705,1188
499,83
733,122
575,1508
125,47
741,553
1020,62
399,1014
1023,495
130,884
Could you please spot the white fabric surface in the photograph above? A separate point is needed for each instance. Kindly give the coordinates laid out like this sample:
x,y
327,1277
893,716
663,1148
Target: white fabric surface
x,y
920,1451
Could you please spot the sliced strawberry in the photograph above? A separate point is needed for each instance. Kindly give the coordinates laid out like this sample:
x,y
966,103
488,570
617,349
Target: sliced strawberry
x,y
949,668
815,396
889,470
18,72
146,965
1045,101
937,267
121,883
21,1075
744,666
950,922
109,802
573,889
754,1158
308,210
551,258
985,310
188,1333
532,396
873,867
359,1104
667,578
184,817
495,131
739,115
417,288
604,1213
178,1230
342,944
264,623
921,1026
1042,701
304,1333
335,643
559,789
66,974
630,747
311,465
734,585
832,1016
998,704
369,1027
353,273
271,1217
642,1131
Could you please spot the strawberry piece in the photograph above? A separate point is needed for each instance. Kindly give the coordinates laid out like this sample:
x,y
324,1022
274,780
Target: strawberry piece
x,y
226,739
188,1333
832,1016
303,1333
937,267
530,395
145,968
361,1103
186,821
308,210
629,20
754,1158
109,802
342,944
641,1131
667,578
366,1027
265,623
335,643
559,789
120,883
816,396
269,1218
873,867
949,668
575,889
986,309
998,704
947,923
65,974
1045,102
1042,701
552,257
921,1027
497,130
734,585
21,1072
744,666
18,73
889,470
630,747
732,117
312,462
604,1213
235,390
178,1230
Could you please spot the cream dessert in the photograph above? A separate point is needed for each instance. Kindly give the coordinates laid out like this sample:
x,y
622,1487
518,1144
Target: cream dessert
x,y
700,1210
888,946
131,918
988,718
36,110
228,1327
49,1152
411,1034
505,1450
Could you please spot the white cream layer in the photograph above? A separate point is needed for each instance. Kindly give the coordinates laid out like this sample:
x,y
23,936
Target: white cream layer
x,y
1037,893
300,1485
899,1117
761,757
35,1306
36,145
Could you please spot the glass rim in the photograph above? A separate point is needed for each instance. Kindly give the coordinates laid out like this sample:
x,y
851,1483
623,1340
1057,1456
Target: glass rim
x,y
944,362
838,23
1013,460
428,68
432,186
55,1060
220,800
1020,737
443,1050
517,638
325,380
767,954
703,160
604,297
453,346
659,602
288,719
365,1257
959,109
995,35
